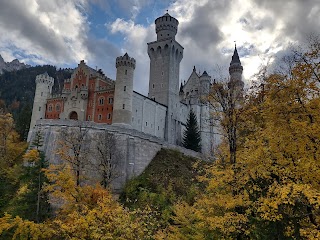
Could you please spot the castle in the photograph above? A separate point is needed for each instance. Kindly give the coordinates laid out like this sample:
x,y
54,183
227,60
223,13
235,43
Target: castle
x,y
91,96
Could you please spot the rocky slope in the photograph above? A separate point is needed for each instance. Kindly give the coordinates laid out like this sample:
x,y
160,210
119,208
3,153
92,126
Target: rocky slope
x,y
11,66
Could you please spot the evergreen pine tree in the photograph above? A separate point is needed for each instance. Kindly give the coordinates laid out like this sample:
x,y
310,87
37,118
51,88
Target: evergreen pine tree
x,y
31,201
191,136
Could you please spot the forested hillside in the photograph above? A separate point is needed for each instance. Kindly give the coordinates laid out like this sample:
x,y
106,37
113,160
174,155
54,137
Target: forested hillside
x,y
17,90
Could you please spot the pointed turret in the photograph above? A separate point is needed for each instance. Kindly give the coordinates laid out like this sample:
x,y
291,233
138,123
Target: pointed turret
x,y
235,57
235,70
205,80
181,88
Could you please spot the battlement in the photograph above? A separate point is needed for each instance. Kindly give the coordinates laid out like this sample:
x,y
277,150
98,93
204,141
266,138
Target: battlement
x,y
125,60
45,79
166,26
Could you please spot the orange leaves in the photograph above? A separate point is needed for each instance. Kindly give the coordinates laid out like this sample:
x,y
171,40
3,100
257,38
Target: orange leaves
x,y
31,156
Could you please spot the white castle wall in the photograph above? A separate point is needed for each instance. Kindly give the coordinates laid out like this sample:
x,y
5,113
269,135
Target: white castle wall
x,y
148,116
138,148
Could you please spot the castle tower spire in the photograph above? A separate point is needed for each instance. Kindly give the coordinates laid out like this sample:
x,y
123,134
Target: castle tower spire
x,y
235,70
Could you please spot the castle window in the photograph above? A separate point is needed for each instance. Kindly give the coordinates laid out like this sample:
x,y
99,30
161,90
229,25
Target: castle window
x,y
89,117
124,88
110,100
58,107
101,101
109,116
146,123
158,128
99,117
39,108
162,73
50,108
80,77
162,85
152,85
123,106
126,72
41,94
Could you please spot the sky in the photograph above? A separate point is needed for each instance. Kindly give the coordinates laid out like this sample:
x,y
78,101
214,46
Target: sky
x,y
63,32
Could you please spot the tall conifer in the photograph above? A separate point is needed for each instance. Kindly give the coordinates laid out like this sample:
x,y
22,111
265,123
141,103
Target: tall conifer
x,y
191,136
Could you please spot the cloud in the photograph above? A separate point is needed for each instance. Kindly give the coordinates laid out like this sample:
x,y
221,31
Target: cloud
x,y
54,30
135,41
58,32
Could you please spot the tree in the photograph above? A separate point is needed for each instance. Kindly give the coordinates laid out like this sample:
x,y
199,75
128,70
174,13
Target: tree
x,y
226,100
86,212
272,191
74,148
108,157
23,122
191,136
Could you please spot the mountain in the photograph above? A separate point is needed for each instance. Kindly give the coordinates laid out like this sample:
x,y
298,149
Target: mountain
x,y
11,66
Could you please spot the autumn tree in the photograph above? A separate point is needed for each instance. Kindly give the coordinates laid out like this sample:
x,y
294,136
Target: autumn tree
x,y
272,191
11,151
75,148
85,212
191,136
108,156
31,201
225,99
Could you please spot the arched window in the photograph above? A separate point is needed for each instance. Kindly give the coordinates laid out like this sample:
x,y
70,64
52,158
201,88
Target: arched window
x,y
58,107
101,101
110,100
124,88
109,116
50,108
99,117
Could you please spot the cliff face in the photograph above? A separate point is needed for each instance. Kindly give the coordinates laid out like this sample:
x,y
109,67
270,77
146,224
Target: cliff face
x,y
11,66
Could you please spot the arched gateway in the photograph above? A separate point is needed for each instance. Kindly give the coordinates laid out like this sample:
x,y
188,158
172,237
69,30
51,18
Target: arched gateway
x,y
73,115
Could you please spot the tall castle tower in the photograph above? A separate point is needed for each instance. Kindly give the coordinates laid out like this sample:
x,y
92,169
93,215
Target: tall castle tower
x,y
235,71
122,107
44,85
165,56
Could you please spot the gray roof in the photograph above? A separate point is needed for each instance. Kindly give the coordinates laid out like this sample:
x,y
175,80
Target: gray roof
x,y
235,57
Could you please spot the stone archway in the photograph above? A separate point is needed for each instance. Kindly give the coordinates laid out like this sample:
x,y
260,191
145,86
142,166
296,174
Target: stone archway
x,y
73,115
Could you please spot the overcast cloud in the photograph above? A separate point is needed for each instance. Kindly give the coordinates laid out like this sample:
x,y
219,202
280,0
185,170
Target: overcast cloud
x,y
59,32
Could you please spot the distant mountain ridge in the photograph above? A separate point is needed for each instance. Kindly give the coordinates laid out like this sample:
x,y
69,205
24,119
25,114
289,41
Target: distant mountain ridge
x,y
11,66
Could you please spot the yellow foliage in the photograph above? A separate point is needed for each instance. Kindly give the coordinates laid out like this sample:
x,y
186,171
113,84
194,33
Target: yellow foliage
x,y
273,190
32,155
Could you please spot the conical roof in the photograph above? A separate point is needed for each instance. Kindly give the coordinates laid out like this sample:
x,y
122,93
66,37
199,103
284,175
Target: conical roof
x,y
235,57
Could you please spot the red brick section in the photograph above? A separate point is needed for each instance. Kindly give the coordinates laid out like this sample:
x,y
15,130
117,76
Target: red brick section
x,y
79,79
67,85
105,107
54,108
